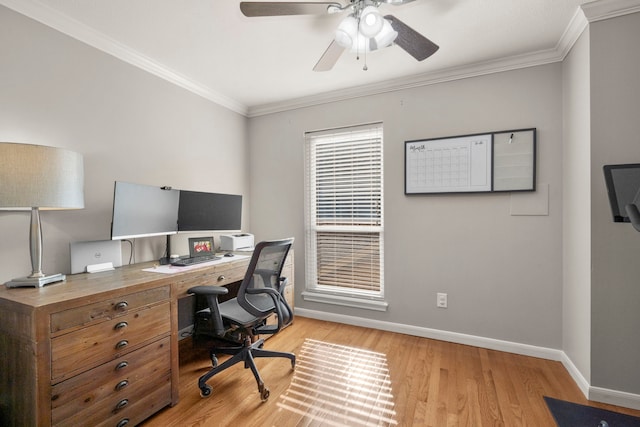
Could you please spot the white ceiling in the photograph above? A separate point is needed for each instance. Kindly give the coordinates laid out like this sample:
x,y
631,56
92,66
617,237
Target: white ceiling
x,y
249,64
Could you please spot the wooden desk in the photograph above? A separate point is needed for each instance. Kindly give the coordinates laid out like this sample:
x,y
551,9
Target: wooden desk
x,y
98,349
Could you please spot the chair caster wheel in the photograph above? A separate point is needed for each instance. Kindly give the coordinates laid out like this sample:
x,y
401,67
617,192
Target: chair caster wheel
x,y
205,391
214,360
264,394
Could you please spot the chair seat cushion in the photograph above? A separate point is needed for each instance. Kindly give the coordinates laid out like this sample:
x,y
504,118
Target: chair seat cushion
x,y
232,312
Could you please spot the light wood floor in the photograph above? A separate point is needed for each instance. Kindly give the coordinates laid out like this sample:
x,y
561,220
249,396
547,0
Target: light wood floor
x,y
405,381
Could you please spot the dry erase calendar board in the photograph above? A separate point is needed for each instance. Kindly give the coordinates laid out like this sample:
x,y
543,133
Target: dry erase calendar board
x,y
488,162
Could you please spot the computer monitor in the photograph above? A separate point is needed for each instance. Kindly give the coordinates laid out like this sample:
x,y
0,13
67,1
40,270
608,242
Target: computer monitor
x,y
623,188
200,211
143,210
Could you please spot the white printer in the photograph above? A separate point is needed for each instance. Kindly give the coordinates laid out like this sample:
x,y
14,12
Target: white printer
x,y
236,242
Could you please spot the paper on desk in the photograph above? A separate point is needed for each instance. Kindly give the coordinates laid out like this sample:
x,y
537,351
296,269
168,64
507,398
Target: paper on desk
x,y
171,269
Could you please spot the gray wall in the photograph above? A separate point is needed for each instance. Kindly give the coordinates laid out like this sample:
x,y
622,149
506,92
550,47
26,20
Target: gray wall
x,y
503,273
128,124
576,224
615,138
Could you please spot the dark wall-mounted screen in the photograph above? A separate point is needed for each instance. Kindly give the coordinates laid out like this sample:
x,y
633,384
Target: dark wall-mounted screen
x,y
623,187
201,211
143,210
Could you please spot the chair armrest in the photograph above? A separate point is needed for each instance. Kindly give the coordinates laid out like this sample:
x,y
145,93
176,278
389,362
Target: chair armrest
x,y
283,282
208,290
279,303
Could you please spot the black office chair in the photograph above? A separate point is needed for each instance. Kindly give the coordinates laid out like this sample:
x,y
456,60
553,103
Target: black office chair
x,y
260,295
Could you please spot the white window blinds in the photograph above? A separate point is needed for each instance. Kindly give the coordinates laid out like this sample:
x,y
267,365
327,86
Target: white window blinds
x,y
344,210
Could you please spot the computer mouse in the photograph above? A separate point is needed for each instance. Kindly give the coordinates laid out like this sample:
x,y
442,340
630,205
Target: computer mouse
x,y
228,254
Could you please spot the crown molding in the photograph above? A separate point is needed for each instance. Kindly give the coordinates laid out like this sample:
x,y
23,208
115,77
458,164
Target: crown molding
x,y
604,9
589,12
75,29
571,34
425,79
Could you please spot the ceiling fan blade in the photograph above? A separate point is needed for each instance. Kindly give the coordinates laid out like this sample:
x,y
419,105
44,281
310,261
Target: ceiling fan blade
x,y
414,43
266,8
329,57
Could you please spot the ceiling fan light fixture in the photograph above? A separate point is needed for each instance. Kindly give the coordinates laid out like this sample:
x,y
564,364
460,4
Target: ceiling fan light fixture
x,y
347,32
361,45
371,22
386,36
363,30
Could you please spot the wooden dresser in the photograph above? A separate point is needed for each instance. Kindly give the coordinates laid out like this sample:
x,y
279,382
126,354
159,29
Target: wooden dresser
x,y
98,349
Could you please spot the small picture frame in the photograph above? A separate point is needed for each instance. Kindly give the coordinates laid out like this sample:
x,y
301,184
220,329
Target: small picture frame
x,y
201,246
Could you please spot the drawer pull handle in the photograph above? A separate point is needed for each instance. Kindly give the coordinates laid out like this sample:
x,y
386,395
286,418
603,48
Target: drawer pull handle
x,y
123,422
122,384
120,325
221,278
122,365
122,404
122,344
121,306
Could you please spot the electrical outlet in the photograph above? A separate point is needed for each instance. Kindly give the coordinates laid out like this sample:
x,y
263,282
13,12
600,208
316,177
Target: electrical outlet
x,y
441,300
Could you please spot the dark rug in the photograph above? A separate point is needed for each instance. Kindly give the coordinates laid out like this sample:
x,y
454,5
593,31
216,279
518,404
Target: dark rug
x,y
569,414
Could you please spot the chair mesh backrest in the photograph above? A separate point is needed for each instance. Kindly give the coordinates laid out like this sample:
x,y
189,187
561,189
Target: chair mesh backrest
x,y
265,270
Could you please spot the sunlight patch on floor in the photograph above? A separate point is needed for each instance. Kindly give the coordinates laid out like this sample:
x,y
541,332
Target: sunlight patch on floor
x,y
338,385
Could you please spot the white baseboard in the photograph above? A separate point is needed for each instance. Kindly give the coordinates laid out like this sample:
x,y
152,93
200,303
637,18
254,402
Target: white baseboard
x,y
575,373
612,397
489,343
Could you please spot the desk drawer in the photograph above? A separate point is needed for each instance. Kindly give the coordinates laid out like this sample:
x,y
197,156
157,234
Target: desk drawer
x,y
101,389
140,409
230,276
218,278
106,309
86,348
124,411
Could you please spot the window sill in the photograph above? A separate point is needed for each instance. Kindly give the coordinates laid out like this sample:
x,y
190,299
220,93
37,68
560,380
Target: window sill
x,y
347,301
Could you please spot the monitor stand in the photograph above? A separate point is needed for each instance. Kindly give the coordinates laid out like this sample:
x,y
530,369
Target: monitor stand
x,y
165,259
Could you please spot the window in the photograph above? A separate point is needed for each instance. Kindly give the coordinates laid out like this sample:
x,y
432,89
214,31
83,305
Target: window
x,y
344,223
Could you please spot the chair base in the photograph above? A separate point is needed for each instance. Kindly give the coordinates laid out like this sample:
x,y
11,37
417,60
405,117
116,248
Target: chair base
x,y
245,354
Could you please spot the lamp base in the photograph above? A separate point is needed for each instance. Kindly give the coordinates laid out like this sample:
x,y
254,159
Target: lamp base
x,y
35,282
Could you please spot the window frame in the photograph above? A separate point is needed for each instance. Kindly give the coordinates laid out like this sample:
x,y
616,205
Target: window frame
x,y
365,210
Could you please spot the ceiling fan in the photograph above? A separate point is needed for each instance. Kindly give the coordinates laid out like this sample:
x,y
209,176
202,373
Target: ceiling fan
x,y
363,30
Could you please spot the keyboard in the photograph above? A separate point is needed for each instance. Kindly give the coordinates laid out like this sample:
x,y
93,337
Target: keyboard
x,y
195,260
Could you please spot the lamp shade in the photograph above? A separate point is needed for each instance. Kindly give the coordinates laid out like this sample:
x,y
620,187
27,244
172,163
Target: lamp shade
x,y
40,176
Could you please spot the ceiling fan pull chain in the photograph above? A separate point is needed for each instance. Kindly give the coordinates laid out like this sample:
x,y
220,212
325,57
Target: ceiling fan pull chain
x,y
358,35
365,68
365,45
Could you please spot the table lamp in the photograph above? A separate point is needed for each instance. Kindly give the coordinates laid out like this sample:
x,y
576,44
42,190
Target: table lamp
x,y
36,177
